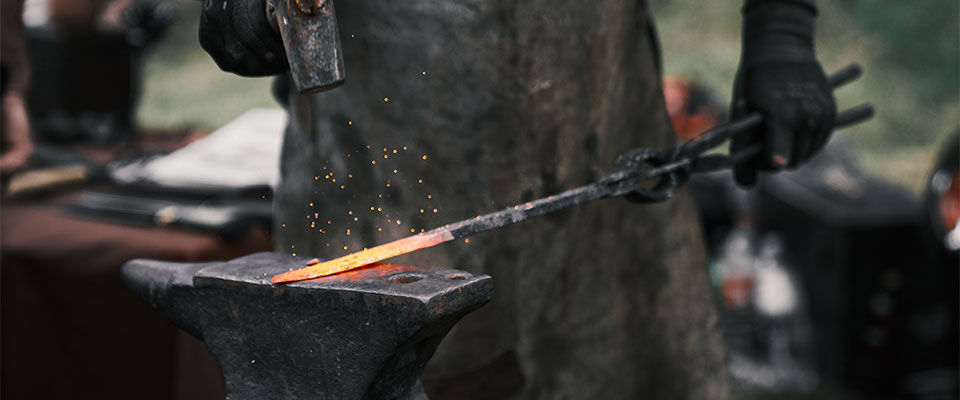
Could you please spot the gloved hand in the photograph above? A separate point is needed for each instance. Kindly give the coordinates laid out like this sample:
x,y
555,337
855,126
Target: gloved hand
x,y
240,39
780,77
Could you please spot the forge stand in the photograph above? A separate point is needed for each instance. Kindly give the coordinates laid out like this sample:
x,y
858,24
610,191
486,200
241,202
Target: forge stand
x,y
365,334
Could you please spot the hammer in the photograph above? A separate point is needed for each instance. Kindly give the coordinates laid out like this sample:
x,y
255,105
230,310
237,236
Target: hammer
x,y
308,29
366,334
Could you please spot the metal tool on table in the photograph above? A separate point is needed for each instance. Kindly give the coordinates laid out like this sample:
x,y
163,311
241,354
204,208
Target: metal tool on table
x,y
669,169
311,40
366,334
230,218
54,168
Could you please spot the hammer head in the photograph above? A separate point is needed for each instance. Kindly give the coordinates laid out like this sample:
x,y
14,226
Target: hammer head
x,y
311,40
365,334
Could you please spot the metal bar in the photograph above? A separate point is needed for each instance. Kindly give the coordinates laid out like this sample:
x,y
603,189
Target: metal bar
x,y
845,118
617,183
716,136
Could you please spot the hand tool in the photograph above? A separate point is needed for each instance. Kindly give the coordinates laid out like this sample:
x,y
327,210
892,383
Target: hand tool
x,y
229,218
670,167
311,41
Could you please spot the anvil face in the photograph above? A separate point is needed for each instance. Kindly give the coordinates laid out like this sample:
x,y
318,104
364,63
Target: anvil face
x,y
365,334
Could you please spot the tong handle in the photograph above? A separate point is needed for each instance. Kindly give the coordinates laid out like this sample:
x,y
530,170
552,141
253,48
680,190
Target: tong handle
x,y
844,75
719,134
845,118
671,167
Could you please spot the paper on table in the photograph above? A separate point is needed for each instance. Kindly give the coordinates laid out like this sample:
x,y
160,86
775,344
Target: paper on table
x,y
243,153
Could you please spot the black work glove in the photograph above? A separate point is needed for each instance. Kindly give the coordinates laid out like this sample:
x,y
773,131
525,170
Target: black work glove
x,y
780,77
240,39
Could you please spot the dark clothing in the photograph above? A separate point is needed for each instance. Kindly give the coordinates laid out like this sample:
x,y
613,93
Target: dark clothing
x,y
452,109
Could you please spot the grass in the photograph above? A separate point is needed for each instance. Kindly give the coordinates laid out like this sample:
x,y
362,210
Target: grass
x,y
909,51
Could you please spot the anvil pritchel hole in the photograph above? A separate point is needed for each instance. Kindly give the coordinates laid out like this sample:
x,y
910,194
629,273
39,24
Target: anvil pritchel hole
x,y
456,277
404,278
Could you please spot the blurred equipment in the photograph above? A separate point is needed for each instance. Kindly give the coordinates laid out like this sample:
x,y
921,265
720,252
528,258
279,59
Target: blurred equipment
x,y
36,180
243,154
229,218
52,168
86,82
693,110
943,196
870,269
764,315
875,293
69,327
858,246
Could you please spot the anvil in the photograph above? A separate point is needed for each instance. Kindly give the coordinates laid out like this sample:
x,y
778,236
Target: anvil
x,y
366,334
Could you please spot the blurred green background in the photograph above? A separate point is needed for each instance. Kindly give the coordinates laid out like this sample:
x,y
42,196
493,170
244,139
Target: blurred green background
x,y
909,51
182,86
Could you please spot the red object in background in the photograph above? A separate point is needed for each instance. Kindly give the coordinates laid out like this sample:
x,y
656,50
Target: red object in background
x,y
692,109
950,202
738,291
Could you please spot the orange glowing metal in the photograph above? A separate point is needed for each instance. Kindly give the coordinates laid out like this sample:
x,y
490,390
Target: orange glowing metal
x,y
688,157
368,256
459,230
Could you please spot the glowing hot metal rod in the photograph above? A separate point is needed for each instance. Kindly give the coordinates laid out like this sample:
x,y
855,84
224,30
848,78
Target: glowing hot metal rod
x,y
671,167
